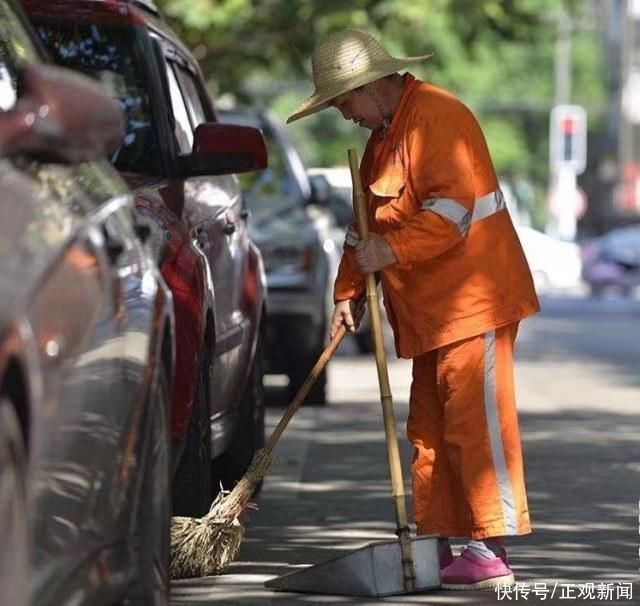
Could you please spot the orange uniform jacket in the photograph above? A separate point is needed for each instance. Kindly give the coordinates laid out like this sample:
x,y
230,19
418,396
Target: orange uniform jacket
x,y
432,193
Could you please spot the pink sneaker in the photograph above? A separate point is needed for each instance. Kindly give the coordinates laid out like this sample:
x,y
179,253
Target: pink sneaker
x,y
446,557
470,571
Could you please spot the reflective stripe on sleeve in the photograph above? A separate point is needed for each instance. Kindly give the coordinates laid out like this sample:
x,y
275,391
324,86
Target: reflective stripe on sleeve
x,y
457,213
451,210
487,205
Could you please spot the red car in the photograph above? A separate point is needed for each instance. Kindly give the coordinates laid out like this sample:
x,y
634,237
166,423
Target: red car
x,y
180,162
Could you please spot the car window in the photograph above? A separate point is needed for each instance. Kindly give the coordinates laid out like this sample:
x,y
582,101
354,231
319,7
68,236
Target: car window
x,y
182,127
111,55
8,85
191,96
15,37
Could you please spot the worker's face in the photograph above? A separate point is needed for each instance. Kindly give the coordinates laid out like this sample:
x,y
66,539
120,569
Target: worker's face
x,y
358,106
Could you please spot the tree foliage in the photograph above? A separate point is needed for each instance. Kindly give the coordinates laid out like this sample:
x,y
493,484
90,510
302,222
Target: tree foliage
x,y
497,55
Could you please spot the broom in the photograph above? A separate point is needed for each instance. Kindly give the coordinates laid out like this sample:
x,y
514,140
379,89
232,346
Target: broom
x,y
206,546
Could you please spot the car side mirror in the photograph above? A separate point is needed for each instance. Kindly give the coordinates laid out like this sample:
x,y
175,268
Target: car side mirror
x,y
320,190
61,116
222,149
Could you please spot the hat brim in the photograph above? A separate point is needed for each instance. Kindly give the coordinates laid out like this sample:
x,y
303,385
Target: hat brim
x,y
320,99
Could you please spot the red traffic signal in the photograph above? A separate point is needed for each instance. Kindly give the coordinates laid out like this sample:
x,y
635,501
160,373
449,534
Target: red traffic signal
x,y
568,138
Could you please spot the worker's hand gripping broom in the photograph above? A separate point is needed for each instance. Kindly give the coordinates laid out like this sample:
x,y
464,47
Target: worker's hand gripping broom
x,y
205,546
402,526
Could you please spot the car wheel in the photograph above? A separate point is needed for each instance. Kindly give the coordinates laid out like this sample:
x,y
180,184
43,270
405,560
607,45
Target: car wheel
x,y
301,368
318,394
192,490
150,585
14,568
249,434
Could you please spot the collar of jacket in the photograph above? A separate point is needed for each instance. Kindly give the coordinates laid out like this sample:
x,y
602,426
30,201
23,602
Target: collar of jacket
x,y
410,83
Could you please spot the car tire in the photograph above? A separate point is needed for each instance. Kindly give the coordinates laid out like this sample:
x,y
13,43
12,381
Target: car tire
x,y
302,366
192,486
249,434
318,394
14,563
150,585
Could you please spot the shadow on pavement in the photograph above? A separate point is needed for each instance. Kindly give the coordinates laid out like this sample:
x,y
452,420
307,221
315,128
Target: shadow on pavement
x,y
583,473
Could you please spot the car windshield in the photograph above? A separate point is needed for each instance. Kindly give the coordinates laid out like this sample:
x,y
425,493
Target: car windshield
x,y
109,54
273,191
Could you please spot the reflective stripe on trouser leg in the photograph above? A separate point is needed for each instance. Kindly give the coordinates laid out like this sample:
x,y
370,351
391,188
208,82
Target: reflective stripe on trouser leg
x,y
458,487
495,434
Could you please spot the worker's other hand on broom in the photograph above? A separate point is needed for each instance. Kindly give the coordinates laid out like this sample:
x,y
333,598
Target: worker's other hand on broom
x,y
373,254
349,313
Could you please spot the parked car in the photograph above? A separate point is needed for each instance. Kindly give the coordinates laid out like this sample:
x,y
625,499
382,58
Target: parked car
x,y
333,191
180,161
301,260
555,265
612,262
86,349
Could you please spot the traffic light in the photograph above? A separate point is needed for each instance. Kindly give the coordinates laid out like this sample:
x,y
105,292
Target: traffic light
x,y
568,138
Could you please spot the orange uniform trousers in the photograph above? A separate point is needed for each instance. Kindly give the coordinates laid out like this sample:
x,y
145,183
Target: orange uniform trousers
x,y
467,470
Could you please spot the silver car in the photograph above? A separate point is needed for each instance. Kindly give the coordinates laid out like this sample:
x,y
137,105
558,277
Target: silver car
x,y
86,350
301,260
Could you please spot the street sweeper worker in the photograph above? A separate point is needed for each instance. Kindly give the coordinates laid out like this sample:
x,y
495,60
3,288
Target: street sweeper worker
x,y
455,283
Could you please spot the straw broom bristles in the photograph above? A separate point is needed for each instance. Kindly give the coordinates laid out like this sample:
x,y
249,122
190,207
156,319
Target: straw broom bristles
x,y
206,546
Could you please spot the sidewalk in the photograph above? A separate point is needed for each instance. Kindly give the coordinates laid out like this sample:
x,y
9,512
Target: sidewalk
x,y
328,492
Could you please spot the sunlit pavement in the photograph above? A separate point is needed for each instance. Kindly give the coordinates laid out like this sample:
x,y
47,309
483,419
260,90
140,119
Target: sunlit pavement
x,y
578,379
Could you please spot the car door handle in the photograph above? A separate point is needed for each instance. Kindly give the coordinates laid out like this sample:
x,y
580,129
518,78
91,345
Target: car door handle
x,y
229,228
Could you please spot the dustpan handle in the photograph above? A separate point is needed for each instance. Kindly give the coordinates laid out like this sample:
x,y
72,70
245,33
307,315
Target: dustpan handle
x,y
393,452
323,360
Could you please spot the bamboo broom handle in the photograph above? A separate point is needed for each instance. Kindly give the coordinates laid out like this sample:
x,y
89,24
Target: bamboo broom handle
x,y
323,360
393,453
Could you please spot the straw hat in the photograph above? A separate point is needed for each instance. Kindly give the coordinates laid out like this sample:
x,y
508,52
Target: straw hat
x,y
344,61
